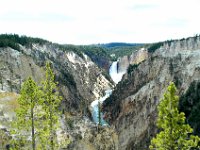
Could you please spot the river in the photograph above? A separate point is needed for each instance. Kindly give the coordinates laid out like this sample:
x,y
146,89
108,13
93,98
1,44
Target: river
x,y
116,77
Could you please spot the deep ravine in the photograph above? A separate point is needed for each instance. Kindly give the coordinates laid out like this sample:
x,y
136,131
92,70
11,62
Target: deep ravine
x,y
116,77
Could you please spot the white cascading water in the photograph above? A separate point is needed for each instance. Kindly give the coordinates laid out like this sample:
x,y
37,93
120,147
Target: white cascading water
x,y
116,77
114,74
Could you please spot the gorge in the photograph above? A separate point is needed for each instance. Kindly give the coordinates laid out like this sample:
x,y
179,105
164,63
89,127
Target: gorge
x,y
131,109
116,76
87,75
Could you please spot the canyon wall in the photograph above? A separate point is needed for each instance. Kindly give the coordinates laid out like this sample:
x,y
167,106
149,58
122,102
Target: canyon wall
x,y
135,58
80,81
131,109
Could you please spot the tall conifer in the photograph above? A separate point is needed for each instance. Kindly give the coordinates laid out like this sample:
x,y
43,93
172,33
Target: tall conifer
x,y
175,133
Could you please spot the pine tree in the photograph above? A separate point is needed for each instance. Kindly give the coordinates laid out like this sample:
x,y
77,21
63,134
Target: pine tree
x,y
26,117
50,105
175,134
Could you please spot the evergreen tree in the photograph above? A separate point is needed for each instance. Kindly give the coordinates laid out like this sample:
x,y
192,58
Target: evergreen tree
x,y
26,118
50,105
175,134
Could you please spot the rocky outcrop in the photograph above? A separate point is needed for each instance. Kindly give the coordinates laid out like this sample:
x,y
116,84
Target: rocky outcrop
x,y
134,58
101,61
131,109
95,139
8,105
74,132
80,80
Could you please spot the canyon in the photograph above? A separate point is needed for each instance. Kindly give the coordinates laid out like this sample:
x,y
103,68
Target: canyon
x,y
129,99
131,109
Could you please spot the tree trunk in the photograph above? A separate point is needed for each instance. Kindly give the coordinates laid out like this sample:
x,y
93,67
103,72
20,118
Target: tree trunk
x,y
51,128
32,127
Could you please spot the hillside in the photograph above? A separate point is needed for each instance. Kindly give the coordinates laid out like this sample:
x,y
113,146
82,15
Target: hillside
x,y
131,109
120,49
82,73
118,44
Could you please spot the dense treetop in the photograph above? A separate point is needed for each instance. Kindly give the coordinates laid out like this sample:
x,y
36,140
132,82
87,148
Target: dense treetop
x,y
175,133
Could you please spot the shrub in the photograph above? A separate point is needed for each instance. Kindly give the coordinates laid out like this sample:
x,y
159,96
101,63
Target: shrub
x,y
132,67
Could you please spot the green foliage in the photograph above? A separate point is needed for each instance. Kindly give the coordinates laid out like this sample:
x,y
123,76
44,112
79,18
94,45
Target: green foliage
x,y
118,44
19,143
95,50
26,122
177,81
7,43
13,41
51,101
154,47
190,105
69,47
66,78
132,67
4,138
100,56
97,54
37,115
116,52
174,133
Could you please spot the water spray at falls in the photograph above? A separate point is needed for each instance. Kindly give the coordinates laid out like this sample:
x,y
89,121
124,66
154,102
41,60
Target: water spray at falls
x,y
114,73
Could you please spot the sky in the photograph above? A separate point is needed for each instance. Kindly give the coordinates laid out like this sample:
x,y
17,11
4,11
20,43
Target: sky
x,y
101,21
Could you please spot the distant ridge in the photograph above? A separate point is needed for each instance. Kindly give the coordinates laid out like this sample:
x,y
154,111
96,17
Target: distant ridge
x,y
118,44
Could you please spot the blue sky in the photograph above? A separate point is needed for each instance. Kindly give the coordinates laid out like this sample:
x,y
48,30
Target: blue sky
x,y
101,21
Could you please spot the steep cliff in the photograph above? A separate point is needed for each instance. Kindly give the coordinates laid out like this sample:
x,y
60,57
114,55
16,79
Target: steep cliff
x,y
73,72
91,139
98,55
135,58
80,81
131,109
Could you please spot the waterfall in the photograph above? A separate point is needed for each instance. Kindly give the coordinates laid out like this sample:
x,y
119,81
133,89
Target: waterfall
x,y
114,74
116,77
